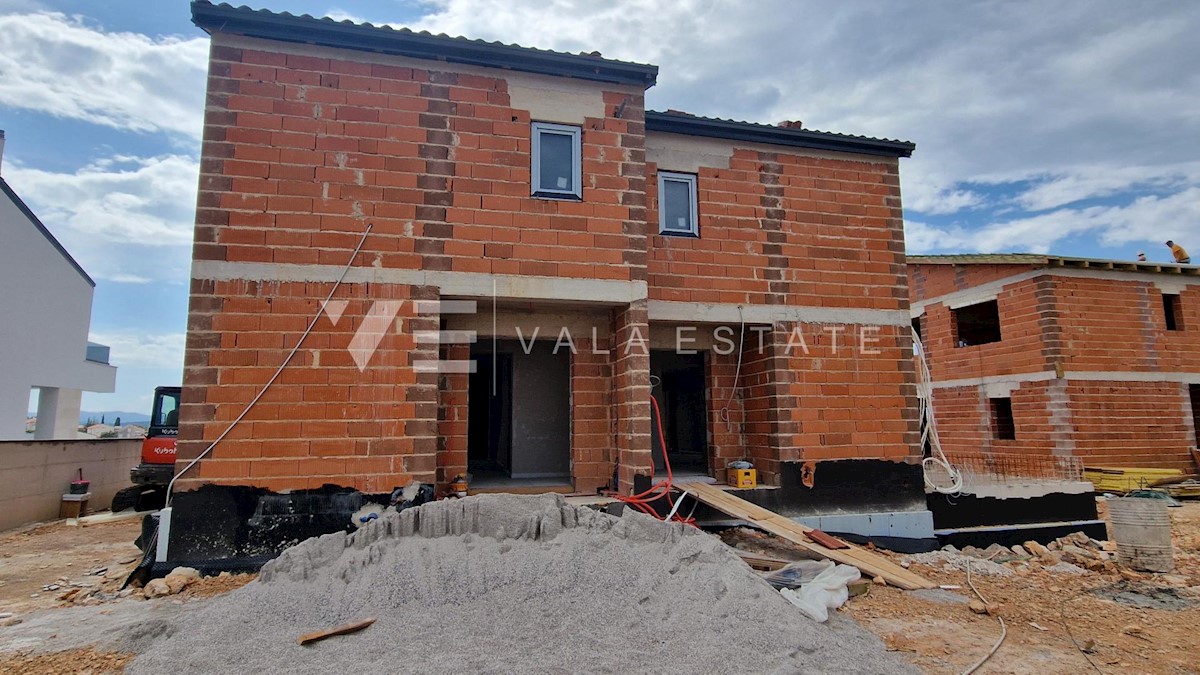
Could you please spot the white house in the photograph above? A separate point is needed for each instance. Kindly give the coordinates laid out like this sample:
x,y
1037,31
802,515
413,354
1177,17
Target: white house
x,y
45,313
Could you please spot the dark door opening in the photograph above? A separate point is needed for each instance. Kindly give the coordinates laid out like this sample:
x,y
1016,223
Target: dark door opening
x,y
680,396
1194,394
518,428
489,415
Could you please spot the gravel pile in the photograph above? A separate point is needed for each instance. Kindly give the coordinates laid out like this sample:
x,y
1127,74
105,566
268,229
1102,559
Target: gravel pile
x,y
507,583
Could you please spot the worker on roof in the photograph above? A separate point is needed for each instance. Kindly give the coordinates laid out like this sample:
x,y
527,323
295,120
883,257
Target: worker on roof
x,y
1181,256
1141,256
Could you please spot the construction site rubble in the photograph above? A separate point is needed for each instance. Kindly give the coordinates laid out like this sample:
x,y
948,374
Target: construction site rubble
x,y
1076,553
512,583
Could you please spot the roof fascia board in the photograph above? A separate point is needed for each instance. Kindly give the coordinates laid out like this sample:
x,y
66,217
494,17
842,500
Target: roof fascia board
x,y
307,30
758,133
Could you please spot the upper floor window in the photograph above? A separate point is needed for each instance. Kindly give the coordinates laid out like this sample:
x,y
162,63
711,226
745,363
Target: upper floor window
x,y
1173,311
677,204
976,324
557,161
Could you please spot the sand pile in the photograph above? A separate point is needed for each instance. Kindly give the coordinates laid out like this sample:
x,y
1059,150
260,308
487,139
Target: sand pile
x,y
505,583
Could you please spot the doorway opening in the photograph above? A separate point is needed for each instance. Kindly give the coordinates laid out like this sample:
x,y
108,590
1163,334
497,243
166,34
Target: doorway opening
x,y
680,393
518,417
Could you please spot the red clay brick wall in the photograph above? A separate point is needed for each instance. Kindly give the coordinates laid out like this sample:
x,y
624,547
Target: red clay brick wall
x,y
323,420
453,390
830,402
630,359
1133,424
1144,424
927,281
1027,312
1130,333
726,414
1071,324
965,424
592,428
785,228
300,150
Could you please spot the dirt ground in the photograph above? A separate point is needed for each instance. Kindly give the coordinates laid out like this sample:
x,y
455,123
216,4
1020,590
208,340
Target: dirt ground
x,y
1050,617
57,554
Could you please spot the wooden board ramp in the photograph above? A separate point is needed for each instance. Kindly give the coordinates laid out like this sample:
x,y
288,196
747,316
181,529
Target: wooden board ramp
x,y
870,564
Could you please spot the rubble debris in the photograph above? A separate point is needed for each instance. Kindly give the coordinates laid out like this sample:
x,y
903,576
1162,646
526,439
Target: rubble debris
x,y
1145,595
951,560
457,584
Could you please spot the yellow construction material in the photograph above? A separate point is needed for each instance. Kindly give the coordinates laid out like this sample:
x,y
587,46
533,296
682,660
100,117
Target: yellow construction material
x,y
1124,479
871,564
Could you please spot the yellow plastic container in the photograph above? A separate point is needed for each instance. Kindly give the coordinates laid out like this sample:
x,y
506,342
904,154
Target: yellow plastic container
x,y
741,478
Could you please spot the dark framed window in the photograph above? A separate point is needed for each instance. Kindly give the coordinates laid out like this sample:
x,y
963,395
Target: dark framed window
x,y
677,204
557,161
1173,311
1004,427
976,324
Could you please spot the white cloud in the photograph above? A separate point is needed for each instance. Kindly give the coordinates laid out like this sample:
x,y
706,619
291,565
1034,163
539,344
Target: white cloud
x,y
1098,180
125,219
1067,96
59,65
148,201
1149,219
140,350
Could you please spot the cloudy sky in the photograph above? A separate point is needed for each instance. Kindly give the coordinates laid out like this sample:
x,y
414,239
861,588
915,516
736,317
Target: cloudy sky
x,y
1070,128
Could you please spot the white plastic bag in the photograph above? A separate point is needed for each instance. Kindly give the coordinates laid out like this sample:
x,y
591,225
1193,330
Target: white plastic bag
x,y
827,591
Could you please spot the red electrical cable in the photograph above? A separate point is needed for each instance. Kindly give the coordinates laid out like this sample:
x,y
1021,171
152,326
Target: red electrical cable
x,y
643,501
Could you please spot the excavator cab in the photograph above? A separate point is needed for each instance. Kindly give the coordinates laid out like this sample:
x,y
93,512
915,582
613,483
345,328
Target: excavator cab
x,y
151,477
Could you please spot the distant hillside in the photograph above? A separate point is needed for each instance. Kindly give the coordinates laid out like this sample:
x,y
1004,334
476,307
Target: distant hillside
x,y
110,416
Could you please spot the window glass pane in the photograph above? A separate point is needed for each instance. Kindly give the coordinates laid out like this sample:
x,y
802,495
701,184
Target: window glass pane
x,y
676,204
557,170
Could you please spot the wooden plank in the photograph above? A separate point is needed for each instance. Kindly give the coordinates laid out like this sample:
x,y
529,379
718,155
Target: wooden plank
x,y
869,563
760,562
354,627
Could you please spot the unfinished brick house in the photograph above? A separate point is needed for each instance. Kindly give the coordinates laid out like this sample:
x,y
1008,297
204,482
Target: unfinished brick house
x,y
540,251
1056,356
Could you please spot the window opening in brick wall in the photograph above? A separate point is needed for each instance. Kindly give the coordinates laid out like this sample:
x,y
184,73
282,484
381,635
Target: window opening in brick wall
x,y
557,164
1173,311
1194,392
1004,427
677,209
976,324
916,326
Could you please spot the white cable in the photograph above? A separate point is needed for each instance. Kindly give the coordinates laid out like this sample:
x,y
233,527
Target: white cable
x,y
278,370
736,373
1003,628
929,428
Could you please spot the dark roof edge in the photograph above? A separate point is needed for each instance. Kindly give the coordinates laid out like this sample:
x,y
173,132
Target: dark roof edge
x,y
42,228
750,132
305,29
1054,261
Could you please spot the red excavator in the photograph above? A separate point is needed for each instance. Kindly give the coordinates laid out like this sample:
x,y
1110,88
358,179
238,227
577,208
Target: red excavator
x,y
151,476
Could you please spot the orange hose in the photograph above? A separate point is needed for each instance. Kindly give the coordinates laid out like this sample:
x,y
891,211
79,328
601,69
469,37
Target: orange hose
x,y
643,500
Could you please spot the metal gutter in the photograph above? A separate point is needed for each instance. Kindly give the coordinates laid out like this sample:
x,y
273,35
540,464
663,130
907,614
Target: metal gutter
x,y
306,29
692,125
